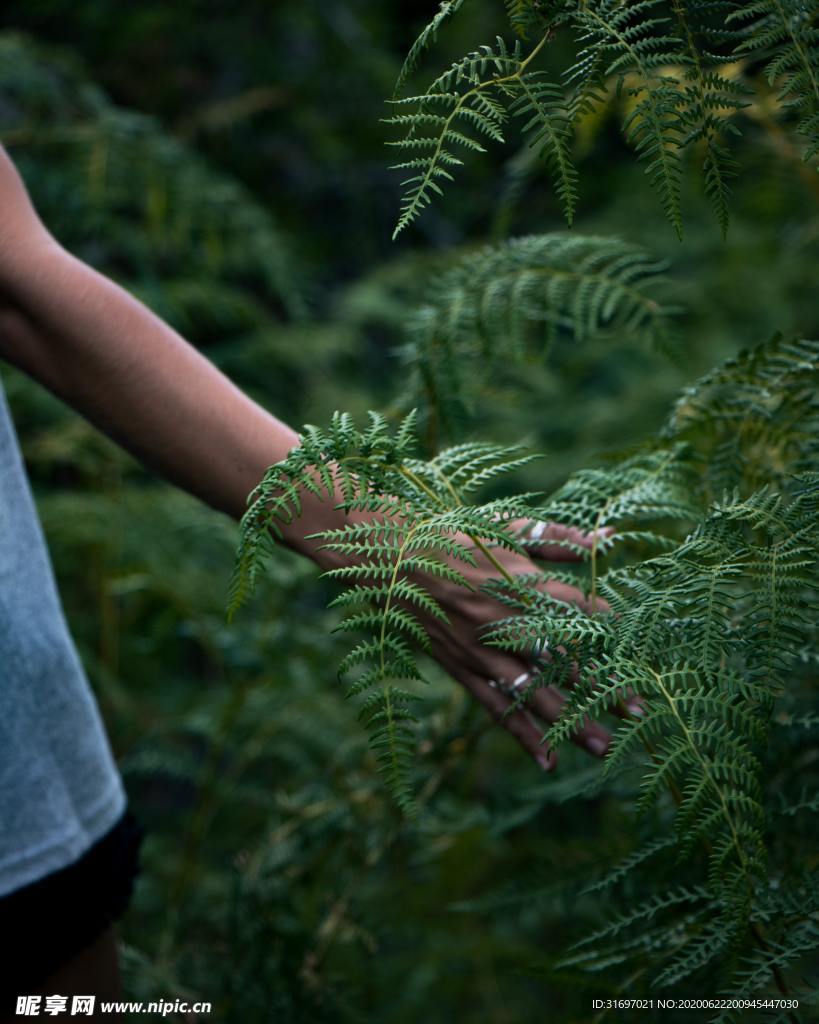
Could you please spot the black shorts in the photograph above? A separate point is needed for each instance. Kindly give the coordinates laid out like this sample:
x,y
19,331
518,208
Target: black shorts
x,y
46,924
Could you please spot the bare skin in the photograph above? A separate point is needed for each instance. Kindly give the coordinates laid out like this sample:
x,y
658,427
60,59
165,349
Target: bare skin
x,y
129,373
110,358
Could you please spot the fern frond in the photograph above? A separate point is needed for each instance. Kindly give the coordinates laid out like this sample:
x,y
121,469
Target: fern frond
x,y
646,487
629,864
633,43
703,948
418,525
787,34
446,9
470,104
680,69
642,913
705,632
508,303
549,131
709,99
465,111
755,419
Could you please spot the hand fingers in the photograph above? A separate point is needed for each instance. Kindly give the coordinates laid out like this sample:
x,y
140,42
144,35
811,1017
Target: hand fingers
x,y
519,723
630,705
553,540
545,701
502,684
573,595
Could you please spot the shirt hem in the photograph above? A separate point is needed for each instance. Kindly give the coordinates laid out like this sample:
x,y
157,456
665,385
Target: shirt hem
x,y
36,864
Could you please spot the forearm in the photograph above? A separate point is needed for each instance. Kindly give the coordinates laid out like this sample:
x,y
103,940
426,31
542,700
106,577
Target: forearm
x,y
110,358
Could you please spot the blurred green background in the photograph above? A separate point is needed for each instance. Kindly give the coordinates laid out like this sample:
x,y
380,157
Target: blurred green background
x,y
226,162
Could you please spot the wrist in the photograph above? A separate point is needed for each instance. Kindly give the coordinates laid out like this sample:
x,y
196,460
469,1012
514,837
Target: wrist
x,y
317,516
322,515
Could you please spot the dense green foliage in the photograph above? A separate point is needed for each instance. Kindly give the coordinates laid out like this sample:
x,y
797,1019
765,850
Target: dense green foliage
x,y
667,59
281,881
708,634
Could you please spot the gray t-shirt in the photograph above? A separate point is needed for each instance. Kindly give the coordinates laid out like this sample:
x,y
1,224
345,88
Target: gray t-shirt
x,y
59,787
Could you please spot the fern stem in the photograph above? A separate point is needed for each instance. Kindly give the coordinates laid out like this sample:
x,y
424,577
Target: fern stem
x,y
528,60
672,703
388,708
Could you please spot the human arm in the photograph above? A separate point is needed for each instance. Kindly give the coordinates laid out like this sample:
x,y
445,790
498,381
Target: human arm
x,y
129,373
110,358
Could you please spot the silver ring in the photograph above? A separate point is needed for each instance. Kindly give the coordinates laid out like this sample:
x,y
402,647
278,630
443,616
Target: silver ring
x,y
520,682
513,689
537,531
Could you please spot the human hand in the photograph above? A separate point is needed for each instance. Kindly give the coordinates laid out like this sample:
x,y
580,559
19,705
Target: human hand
x,y
499,679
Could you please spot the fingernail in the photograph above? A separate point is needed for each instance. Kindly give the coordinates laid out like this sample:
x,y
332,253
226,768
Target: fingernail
x,y
546,761
635,709
597,746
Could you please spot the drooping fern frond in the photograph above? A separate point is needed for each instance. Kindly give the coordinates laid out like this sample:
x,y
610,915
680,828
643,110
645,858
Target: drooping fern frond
x,y
709,99
635,45
681,73
507,303
429,33
786,32
469,105
406,520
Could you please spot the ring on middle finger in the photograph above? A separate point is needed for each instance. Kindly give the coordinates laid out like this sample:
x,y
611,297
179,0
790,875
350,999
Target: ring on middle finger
x,y
518,686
